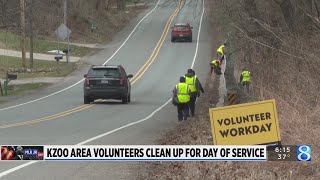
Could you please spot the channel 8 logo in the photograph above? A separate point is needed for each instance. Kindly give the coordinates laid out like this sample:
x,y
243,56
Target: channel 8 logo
x,y
303,152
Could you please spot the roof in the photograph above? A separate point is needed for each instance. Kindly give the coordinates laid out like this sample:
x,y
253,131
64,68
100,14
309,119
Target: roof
x,y
181,24
105,66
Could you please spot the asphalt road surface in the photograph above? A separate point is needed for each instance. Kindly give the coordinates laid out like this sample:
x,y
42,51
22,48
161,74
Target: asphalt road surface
x,y
63,119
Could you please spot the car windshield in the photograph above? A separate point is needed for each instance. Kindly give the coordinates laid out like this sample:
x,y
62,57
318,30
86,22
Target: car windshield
x,y
181,28
104,72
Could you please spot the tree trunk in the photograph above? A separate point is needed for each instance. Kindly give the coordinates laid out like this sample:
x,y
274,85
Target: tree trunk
x,y
106,4
121,4
3,4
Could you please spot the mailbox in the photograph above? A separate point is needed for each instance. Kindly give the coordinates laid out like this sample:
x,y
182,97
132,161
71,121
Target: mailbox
x,y
66,51
58,57
12,76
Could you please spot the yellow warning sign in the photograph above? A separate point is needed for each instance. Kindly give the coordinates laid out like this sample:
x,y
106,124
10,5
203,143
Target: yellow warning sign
x,y
245,124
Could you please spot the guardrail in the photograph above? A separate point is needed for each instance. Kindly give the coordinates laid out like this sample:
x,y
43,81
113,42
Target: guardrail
x,y
231,90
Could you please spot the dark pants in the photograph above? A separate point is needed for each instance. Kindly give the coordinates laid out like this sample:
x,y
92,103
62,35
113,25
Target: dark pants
x,y
217,70
183,109
192,104
246,85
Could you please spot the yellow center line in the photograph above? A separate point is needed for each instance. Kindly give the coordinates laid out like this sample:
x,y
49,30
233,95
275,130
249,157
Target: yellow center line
x,y
162,37
71,111
158,49
139,74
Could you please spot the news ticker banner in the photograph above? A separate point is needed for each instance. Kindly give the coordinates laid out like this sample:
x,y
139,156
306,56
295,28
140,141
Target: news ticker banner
x,y
157,153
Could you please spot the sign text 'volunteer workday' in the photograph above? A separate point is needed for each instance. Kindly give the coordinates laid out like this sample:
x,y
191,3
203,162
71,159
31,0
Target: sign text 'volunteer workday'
x,y
245,130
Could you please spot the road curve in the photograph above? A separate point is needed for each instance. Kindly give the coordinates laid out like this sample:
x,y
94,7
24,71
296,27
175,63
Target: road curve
x,y
151,91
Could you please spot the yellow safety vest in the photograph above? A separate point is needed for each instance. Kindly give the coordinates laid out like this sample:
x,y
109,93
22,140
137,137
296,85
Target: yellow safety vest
x,y
246,76
191,81
221,49
214,62
183,92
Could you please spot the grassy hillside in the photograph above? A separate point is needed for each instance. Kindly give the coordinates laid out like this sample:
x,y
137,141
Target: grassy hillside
x,y
81,16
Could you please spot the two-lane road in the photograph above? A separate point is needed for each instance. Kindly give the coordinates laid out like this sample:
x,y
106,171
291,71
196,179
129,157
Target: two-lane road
x,y
63,119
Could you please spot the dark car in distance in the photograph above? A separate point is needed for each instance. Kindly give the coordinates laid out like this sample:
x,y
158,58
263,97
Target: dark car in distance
x,y
107,82
181,31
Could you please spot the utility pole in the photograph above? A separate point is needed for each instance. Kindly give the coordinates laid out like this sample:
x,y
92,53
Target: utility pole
x,y
23,33
65,10
31,33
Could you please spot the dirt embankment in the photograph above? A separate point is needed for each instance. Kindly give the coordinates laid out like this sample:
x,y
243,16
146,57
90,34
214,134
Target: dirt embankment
x,y
285,67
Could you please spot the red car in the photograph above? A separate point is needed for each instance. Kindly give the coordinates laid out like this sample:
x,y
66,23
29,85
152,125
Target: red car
x,y
181,31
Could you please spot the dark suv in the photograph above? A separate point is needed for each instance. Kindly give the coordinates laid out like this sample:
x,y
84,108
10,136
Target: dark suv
x,y
107,82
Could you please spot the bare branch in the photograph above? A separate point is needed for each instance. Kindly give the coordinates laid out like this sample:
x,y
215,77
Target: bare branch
x,y
265,45
262,25
288,45
315,19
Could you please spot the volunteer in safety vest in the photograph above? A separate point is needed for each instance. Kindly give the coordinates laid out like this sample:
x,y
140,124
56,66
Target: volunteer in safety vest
x,y
221,52
245,78
195,86
215,65
182,93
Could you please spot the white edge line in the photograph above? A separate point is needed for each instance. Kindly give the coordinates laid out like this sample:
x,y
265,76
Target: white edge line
x,y
198,37
16,168
42,97
125,126
35,100
132,33
4,173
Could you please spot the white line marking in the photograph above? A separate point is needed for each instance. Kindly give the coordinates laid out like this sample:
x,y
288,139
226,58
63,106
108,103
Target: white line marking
x,y
4,173
125,126
131,33
198,37
10,107
16,168
42,97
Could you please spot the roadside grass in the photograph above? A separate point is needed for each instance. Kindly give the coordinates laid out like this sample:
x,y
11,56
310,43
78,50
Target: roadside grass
x,y
22,89
43,68
9,40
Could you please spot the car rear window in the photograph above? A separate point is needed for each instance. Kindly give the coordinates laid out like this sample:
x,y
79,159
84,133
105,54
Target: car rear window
x,y
104,72
181,28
